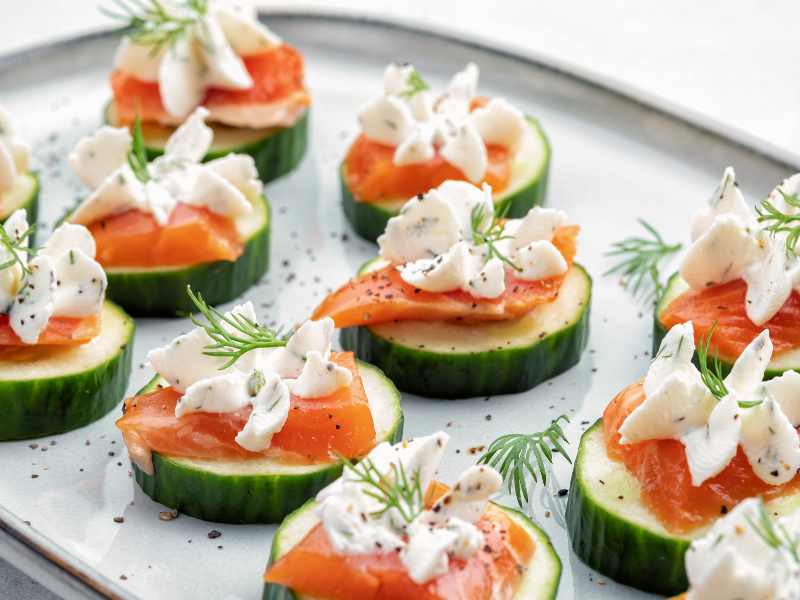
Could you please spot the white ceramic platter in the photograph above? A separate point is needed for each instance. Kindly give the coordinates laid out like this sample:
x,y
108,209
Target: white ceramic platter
x,y
614,160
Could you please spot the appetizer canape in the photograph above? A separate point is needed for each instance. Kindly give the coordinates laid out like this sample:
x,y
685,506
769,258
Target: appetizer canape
x,y
463,303
412,140
179,55
386,529
65,351
746,555
675,452
241,425
172,222
740,275
19,187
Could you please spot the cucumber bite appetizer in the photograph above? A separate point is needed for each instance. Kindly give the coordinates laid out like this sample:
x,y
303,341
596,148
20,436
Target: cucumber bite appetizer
x,y
677,451
172,222
243,426
746,555
19,187
412,139
387,530
182,54
463,303
740,275
65,352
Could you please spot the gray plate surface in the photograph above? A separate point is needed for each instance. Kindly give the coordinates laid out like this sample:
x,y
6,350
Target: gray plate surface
x,y
614,160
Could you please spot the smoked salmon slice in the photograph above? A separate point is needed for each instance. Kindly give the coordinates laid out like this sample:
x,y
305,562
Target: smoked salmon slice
x,y
666,484
193,235
316,429
372,176
312,567
382,296
60,331
725,305
277,74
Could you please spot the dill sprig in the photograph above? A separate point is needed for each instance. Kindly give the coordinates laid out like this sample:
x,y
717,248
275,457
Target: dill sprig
x,y
517,456
17,248
150,23
416,84
712,374
774,534
492,235
640,262
396,490
776,221
137,156
233,335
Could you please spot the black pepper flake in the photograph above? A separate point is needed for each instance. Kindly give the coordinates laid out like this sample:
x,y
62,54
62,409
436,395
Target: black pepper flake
x,y
562,492
119,519
214,534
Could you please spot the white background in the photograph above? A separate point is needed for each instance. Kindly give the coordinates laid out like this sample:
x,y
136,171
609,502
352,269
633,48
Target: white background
x,y
735,61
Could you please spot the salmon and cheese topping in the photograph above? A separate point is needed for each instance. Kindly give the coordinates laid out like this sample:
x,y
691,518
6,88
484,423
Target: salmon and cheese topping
x,y
14,153
52,295
447,256
698,442
293,395
747,554
729,244
424,538
412,137
387,529
180,55
175,210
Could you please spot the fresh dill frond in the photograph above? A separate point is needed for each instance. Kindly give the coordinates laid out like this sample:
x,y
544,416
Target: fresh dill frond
x,y
711,375
711,372
137,156
151,23
640,262
416,84
519,456
233,335
18,249
775,535
395,490
776,221
493,234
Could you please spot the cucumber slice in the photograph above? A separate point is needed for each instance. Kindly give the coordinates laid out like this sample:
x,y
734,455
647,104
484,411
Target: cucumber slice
x,y
457,360
162,291
615,534
44,391
24,194
262,490
785,361
526,189
276,150
540,581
